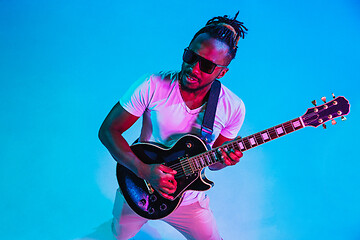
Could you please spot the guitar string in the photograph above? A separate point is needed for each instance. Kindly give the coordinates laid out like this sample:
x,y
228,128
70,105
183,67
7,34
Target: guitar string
x,y
189,161
210,157
187,164
203,160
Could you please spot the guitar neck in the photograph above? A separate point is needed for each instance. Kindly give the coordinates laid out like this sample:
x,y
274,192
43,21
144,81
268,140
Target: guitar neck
x,y
243,144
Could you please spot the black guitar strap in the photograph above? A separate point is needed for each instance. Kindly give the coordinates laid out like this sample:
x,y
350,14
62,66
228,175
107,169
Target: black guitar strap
x,y
209,116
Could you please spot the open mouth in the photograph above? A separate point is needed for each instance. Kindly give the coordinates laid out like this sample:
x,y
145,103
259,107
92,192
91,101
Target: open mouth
x,y
192,79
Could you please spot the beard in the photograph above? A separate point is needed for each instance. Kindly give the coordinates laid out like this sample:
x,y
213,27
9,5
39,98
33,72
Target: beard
x,y
187,87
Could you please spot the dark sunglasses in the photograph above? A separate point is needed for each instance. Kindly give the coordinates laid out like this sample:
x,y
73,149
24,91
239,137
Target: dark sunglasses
x,y
206,66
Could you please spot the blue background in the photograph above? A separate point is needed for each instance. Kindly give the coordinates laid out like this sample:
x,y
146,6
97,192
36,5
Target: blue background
x,y
64,64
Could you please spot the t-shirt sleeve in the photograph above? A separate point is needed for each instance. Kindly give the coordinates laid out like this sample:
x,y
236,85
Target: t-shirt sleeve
x,y
235,122
138,96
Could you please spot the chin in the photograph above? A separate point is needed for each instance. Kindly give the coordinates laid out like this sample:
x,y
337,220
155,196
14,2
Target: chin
x,y
186,86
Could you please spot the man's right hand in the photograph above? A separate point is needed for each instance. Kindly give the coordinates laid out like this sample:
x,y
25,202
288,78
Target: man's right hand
x,y
118,121
161,178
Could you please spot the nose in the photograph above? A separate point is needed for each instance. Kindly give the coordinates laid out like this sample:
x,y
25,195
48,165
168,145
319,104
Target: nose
x,y
195,67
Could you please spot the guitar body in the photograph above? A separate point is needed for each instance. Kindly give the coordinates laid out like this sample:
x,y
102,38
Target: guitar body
x,y
150,204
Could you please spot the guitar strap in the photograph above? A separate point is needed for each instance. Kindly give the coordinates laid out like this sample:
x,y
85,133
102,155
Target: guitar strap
x,y
209,115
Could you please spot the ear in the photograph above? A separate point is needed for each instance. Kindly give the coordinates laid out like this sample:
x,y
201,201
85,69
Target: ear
x,y
222,73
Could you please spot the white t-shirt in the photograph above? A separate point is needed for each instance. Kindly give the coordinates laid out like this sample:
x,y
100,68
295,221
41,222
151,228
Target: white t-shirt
x,y
166,117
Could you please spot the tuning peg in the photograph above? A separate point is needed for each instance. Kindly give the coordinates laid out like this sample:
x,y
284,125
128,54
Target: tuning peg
x,y
343,118
333,122
314,102
324,126
323,99
333,95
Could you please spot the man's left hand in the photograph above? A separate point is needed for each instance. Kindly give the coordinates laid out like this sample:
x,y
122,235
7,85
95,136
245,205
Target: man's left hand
x,y
230,156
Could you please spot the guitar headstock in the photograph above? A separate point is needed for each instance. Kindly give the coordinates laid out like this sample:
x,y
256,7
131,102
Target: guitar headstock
x,y
318,115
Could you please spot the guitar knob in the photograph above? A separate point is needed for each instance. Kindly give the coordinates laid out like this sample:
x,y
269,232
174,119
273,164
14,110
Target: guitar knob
x,y
343,118
163,207
151,210
323,99
142,202
314,102
153,198
333,95
333,122
324,126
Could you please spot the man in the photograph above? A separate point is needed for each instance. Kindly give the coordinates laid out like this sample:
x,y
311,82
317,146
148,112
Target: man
x,y
172,104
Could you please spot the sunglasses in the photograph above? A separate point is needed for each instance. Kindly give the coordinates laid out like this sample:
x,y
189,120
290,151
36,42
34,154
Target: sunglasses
x,y
206,66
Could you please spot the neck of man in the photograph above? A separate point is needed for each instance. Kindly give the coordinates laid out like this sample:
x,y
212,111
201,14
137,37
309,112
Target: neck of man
x,y
195,98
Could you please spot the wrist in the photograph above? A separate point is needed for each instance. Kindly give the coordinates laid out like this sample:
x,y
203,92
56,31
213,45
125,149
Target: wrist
x,y
142,170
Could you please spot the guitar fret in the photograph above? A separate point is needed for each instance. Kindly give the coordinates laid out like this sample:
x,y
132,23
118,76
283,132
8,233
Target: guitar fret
x,y
288,127
280,130
241,145
252,141
296,124
265,136
213,159
246,143
259,138
235,145
211,156
272,133
207,160
196,164
202,163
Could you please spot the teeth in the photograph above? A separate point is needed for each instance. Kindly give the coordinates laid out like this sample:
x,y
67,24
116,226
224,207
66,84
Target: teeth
x,y
192,79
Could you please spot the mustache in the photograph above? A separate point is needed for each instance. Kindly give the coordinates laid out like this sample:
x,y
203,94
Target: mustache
x,y
190,74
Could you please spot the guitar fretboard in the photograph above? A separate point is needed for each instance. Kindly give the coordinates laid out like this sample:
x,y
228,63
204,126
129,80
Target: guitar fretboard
x,y
198,162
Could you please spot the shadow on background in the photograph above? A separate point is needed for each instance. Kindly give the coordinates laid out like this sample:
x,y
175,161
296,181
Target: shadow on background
x,y
103,232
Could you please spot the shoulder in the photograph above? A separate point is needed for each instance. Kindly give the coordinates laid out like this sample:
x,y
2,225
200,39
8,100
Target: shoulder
x,y
164,78
150,84
161,85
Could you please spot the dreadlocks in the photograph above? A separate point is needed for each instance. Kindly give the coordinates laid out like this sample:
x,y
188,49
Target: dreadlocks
x,y
226,30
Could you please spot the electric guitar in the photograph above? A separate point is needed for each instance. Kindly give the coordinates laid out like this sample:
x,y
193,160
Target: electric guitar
x,y
189,156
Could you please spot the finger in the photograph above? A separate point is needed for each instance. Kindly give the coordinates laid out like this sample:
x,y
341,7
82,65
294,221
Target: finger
x,y
235,154
225,159
238,153
169,178
167,190
225,156
168,184
234,158
165,195
166,169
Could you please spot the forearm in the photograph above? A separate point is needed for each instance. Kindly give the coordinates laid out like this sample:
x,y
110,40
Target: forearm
x,y
120,150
